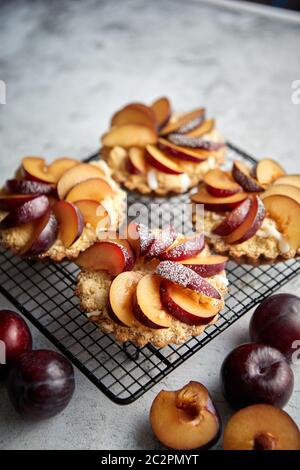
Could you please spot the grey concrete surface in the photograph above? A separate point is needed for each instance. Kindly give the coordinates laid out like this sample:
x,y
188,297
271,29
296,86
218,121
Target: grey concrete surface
x,y
67,67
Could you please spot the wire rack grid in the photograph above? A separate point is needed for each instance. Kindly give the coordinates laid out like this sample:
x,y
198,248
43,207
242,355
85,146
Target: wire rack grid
x,y
44,294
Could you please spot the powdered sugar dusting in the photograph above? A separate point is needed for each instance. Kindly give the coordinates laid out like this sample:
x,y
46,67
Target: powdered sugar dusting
x,y
186,277
186,250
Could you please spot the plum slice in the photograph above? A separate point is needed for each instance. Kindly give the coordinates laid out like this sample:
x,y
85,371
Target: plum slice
x,y
206,266
162,241
29,187
218,204
286,212
130,135
70,220
136,163
241,174
221,184
76,175
194,142
95,189
185,419
162,111
261,427
185,277
187,306
147,306
267,170
134,113
27,212
11,202
108,256
190,247
121,293
204,128
183,153
43,237
94,214
161,161
252,222
234,219
185,123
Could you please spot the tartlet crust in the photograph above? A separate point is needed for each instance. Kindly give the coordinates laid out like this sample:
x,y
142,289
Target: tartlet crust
x,y
255,251
93,288
15,238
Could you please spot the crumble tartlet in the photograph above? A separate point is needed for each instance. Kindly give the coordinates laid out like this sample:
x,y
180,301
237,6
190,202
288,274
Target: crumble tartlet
x,y
152,150
252,214
57,211
147,296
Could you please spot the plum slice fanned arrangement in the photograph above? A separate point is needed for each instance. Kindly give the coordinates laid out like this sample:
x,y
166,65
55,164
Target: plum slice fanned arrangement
x,y
55,211
151,149
156,287
252,213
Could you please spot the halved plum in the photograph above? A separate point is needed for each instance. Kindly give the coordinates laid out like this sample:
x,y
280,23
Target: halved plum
x,y
186,277
27,212
70,220
190,247
218,204
234,219
206,266
121,293
261,427
186,305
185,419
43,236
147,306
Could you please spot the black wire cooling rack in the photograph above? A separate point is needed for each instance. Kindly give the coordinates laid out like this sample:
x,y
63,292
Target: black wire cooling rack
x,y
44,293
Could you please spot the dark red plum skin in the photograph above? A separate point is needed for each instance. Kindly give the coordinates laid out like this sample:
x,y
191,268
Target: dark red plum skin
x,y
16,336
41,384
276,322
256,373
